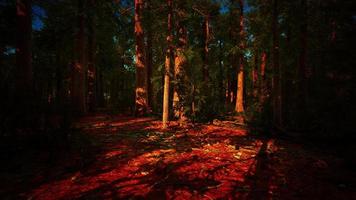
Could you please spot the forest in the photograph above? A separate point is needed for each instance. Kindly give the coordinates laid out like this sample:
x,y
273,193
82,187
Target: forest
x,y
178,99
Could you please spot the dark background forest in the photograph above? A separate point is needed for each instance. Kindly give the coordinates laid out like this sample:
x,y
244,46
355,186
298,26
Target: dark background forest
x,y
274,68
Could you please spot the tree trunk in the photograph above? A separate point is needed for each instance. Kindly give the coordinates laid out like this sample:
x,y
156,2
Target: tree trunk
x,y
254,76
141,98
221,74
78,93
263,83
240,76
165,115
23,92
149,56
179,75
91,60
206,37
302,86
99,87
276,84
24,75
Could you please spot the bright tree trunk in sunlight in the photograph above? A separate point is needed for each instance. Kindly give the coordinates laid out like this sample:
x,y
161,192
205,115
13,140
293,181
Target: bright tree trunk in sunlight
x,y
240,72
79,67
24,75
276,84
165,114
179,62
141,97
91,60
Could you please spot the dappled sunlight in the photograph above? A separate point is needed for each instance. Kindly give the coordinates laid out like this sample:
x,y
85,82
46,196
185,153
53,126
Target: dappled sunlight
x,y
205,172
201,162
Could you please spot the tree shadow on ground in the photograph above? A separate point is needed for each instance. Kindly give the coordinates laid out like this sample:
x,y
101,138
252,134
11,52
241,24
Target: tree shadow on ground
x,y
135,159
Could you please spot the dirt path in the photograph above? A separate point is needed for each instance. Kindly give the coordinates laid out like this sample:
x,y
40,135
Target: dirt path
x,y
134,159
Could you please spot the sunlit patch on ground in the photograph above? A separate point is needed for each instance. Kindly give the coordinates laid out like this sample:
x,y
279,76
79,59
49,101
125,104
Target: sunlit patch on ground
x,y
139,160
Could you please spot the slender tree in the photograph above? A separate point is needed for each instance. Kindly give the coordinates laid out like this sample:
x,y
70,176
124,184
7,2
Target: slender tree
x,y
206,38
141,99
167,65
240,76
263,82
254,75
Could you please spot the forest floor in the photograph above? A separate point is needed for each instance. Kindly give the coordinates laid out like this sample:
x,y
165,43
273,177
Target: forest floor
x,y
120,157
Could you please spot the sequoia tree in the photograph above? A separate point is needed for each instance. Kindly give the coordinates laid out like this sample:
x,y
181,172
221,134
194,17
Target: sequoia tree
x,y
167,66
240,76
78,93
141,99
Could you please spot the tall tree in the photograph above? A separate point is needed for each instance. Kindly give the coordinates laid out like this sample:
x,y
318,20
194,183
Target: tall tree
x,y
167,65
91,56
179,62
302,57
24,74
240,76
141,99
79,68
206,38
149,54
276,82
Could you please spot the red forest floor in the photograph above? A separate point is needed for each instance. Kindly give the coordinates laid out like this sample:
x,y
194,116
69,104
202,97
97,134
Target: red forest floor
x,y
132,158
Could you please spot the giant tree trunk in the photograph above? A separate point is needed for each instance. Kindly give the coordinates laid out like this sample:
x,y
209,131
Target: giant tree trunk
x,y
91,60
302,86
276,85
165,114
24,75
79,67
149,56
240,76
179,63
23,93
141,99
99,88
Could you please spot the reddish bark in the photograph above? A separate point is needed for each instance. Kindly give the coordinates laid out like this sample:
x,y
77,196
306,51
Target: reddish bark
x,y
240,74
169,51
179,62
141,100
149,57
